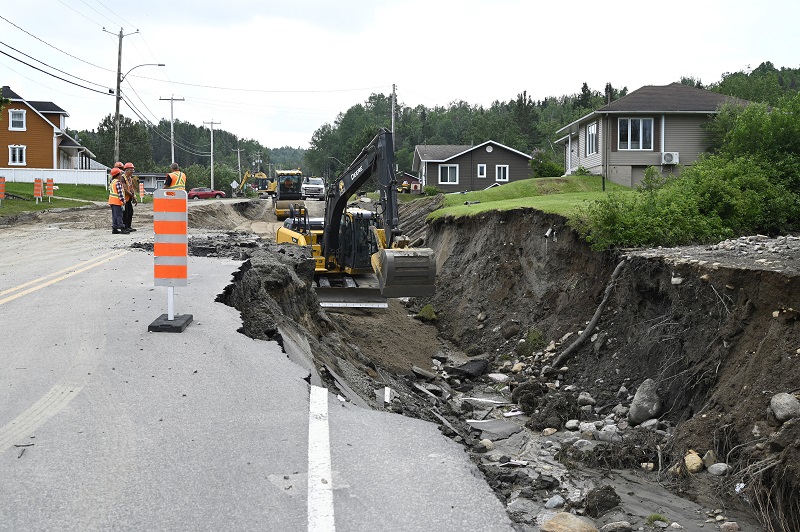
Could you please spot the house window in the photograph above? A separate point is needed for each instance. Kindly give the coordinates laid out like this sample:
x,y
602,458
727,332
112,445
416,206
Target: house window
x,y
635,133
16,120
482,171
501,172
591,139
16,155
448,174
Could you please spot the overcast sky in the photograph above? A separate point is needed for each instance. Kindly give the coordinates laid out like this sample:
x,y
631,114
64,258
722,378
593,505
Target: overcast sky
x,y
277,71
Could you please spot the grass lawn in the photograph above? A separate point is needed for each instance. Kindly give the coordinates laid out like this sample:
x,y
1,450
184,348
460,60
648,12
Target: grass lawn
x,y
78,194
558,195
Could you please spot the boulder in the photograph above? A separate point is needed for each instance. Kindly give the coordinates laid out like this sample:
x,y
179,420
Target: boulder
x,y
556,501
472,369
694,464
710,458
784,406
646,403
585,398
565,522
617,526
601,500
718,470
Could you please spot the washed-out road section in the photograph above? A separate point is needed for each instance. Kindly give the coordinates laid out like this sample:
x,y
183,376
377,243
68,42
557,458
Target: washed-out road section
x,y
104,425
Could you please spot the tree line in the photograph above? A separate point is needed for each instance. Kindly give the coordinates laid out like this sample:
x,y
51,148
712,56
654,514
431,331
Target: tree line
x,y
522,123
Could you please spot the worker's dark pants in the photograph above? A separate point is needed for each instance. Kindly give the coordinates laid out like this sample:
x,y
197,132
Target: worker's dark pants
x,y
127,215
116,217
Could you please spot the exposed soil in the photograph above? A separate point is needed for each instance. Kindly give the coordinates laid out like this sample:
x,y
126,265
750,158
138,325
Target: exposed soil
x,y
716,328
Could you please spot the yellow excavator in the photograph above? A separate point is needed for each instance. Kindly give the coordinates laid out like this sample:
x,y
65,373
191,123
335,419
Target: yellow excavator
x,y
360,256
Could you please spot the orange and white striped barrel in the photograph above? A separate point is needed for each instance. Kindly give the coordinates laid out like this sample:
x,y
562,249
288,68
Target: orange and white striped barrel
x,y
2,188
171,244
141,189
37,188
49,188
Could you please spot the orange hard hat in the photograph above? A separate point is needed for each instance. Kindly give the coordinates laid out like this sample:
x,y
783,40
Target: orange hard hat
x,y
115,172
117,164
128,165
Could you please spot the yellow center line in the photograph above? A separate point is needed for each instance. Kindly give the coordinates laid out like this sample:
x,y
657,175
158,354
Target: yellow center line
x,y
96,262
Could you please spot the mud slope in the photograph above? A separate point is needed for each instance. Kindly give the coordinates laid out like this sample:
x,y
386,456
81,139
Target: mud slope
x,y
717,330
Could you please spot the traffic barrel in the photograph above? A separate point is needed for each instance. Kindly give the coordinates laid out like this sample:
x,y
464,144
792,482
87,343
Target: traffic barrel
x,y
2,189
49,189
37,189
141,190
171,244
170,254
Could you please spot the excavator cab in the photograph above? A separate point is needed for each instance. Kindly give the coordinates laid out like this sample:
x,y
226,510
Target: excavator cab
x,y
357,242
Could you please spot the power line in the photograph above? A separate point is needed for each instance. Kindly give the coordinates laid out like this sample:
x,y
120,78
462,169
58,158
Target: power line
x,y
53,47
50,66
50,74
158,132
305,91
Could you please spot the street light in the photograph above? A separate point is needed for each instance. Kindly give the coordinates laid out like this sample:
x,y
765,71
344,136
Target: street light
x,y
120,78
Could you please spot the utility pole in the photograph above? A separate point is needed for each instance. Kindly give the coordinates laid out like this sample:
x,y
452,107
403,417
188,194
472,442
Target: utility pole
x,y
172,101
212,150
239,160
118,95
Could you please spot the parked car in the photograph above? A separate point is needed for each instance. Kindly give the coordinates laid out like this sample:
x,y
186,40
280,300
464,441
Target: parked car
x,y
204,193
313,187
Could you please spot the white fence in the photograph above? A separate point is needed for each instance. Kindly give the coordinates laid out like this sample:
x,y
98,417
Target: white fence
x,y
61,176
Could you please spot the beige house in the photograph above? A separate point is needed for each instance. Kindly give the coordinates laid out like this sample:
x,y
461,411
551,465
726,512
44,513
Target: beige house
x,y
658,126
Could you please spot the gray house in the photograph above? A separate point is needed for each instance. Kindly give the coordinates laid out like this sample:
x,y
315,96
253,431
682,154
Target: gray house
x,y
464,168
652,126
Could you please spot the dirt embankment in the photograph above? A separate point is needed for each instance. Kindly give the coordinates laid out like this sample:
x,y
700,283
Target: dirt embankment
x,y
716,329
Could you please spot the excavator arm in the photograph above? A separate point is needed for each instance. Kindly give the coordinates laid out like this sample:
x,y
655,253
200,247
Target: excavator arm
x,y
401,271
377,159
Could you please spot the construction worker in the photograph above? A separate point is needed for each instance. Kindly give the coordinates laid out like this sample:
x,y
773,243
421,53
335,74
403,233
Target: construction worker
x,y
175,179
130,195
116,198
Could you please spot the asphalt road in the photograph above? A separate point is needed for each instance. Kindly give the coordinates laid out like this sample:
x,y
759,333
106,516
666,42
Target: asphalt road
x,y
106,426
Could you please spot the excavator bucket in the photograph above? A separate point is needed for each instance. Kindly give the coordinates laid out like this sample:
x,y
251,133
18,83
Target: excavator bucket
x,y
407,272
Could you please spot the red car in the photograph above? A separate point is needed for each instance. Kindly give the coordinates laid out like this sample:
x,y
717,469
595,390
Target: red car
x,y
204,193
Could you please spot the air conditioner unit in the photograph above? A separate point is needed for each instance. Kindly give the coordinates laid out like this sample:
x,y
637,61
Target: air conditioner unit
x,y
670,157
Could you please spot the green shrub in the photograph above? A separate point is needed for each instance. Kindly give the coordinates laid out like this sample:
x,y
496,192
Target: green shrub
x,y
581,171
533,340
431,190
543,165
426,314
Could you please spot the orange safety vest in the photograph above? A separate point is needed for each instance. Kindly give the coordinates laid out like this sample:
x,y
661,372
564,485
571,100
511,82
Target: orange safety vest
x,y
113,197
178,180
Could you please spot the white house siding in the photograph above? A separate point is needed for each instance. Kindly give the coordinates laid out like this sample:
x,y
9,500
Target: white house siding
x,y
60,176
593,163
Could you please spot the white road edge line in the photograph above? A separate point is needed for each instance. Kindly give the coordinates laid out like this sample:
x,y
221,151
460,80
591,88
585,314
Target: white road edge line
x,y
34,417
320,481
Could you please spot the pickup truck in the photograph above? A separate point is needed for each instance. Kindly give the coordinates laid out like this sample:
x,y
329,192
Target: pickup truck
x,y
313,187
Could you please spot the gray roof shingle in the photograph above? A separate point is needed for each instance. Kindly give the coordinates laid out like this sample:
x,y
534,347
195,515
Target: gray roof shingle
x,y
439,152
672,98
